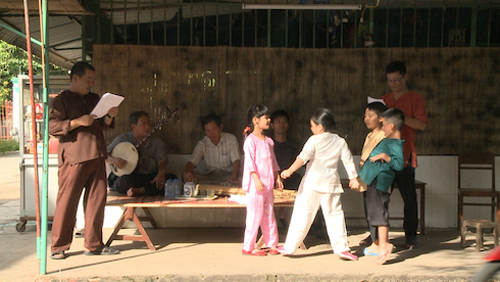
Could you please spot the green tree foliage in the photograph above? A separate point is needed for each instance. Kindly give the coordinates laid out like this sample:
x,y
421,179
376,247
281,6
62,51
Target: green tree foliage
x,y
14,61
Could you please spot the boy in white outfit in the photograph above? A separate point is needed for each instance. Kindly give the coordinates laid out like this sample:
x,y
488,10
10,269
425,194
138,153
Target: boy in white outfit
x,y
321,185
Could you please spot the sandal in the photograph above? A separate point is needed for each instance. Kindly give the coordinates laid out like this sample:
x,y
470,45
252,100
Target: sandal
x,y
58,255
366,242
79,233
347,255
274,251
254,253
102,251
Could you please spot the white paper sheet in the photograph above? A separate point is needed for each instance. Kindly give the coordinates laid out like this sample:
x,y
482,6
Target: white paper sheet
x,y
106,102
371,100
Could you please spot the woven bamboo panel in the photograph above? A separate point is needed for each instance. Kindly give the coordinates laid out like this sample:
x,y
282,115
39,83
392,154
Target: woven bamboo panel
x,y
460,87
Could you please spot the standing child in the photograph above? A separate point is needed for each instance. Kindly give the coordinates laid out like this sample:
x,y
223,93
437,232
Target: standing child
x,y
378,173
321,185
259,174
373,121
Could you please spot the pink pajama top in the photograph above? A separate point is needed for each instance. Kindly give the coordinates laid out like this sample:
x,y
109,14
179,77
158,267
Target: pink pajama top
x,y
259,158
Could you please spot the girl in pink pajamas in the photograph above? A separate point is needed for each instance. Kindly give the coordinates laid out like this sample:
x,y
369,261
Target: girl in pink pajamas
x,y
260,171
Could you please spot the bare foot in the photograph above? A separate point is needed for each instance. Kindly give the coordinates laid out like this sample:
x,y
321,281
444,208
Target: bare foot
x,y
136,191
384,254
373,248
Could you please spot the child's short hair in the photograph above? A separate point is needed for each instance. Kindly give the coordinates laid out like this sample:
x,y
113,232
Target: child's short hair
x,y
209,118
396,66
325,117
279,113
395,116
378,107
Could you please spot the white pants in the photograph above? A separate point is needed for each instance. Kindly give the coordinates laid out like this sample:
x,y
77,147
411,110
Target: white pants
x,y
305,208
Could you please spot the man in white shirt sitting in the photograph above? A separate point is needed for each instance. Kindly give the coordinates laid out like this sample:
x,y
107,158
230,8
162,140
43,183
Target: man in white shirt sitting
x,y
221,153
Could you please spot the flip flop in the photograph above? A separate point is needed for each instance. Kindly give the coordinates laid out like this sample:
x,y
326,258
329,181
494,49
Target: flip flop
x,y
258,253
58,255
79,233
102,251
274,252
367,253
366,241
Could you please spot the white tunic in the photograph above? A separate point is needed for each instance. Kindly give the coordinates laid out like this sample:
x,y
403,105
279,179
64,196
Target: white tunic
x,y
323,152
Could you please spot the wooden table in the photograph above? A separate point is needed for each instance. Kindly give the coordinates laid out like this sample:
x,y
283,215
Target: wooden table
x,y
282,199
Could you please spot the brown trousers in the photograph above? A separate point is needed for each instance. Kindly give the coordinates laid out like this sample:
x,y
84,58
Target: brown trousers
x,y
90,175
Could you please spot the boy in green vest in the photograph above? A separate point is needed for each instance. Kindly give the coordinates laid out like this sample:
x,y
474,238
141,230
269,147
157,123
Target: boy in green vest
x,y
378,173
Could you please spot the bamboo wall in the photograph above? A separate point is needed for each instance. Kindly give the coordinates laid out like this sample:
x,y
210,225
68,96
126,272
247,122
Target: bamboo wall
x,y
460,86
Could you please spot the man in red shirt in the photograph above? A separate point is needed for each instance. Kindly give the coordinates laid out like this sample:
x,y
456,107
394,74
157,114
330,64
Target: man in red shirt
x,y
413,106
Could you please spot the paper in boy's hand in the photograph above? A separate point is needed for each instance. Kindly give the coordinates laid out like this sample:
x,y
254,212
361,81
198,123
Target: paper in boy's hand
x,y
371,100
106,102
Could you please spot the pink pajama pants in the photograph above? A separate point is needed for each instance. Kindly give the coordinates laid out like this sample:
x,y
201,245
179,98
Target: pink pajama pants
x,y
260,212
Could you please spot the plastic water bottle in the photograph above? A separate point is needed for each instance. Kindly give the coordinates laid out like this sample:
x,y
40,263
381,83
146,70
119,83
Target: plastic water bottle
x,y
177,187
168,189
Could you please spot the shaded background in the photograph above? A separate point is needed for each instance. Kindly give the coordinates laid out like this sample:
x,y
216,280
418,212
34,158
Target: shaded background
x,y
460,87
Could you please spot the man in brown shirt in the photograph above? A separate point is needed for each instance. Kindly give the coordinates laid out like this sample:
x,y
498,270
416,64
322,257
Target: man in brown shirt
x,y
82,152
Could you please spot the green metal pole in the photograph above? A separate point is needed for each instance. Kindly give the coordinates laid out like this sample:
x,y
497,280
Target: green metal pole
x,y
372,16
84,38
268,28
429,28
205,26
387,27
489,25
415,26
45,179
17,32
473,25
314,28
230,22
401,27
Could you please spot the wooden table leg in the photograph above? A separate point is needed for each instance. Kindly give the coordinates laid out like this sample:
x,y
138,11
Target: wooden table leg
x,y
422,210
498,210
118,226
129,214
150,217
143,232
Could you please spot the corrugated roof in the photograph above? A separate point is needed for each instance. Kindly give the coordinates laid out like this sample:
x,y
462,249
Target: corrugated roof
x,y
64,37
65,30
64,7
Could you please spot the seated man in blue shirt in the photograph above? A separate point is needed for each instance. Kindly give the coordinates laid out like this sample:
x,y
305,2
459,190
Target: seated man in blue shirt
x,y
150,175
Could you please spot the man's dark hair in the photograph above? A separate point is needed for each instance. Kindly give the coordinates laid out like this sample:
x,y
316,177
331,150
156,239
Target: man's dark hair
x,y
378,107
134,117
279,113
209,118
395,116
79,68
396,66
